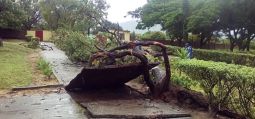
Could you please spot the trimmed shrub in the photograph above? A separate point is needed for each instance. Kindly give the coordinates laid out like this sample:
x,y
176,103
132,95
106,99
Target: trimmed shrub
x,y
33,43
154,36
76,45
218,56
182,80
226,85
44,67
28,38
252,45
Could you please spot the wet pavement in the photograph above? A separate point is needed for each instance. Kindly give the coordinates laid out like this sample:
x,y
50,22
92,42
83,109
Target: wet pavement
x,y
62,67
124,102
49,106
134,108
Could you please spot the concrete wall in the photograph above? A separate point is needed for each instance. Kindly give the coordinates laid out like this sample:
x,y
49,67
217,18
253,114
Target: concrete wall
x,y
47,35
127,36
31,33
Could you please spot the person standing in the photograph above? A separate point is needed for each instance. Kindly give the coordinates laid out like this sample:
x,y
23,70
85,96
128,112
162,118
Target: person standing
x,y
188,48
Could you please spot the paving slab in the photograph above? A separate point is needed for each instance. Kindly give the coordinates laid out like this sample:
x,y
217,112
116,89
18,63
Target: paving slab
x,y
50,106
124,103
133,109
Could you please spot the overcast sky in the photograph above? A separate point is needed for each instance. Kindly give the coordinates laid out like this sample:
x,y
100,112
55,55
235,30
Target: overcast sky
x,y
119,9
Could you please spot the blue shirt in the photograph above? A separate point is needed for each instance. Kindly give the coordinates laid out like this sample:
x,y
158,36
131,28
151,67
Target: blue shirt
x,y
189,50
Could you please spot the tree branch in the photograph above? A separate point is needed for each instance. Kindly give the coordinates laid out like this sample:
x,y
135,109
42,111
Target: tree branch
x,y
163,84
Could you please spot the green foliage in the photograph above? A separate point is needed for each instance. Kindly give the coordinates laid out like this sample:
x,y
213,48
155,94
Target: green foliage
x,y
226,85
33,42
223,56
77,46
133,36
182,80
28,38
79,15
219,56
237,21
182,53
19,14
201,17
252,45
151,58
32,13
44,67
11,15
203,20
171,14
154,35
158,35
1,43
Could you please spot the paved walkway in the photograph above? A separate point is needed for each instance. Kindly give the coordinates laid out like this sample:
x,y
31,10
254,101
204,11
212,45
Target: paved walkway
x,y
62,67
50,106
114,103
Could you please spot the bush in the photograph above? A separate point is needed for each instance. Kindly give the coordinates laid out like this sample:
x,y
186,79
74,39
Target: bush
x,y
28,38
45,68
218,56
226,85
154,36
182,53
76,45
1,43
252,45
33,43
182,80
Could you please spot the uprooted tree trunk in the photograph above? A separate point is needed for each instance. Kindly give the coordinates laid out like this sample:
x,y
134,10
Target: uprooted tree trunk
x,y
161,85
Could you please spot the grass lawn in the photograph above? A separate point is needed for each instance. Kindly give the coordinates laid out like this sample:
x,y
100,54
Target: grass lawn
x,y
15,69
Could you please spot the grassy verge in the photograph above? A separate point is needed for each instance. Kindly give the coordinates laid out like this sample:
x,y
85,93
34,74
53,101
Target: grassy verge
x,y
14,67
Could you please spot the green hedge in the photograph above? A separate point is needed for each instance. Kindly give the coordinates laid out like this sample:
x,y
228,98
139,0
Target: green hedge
x,y
157,35
219,56
226,85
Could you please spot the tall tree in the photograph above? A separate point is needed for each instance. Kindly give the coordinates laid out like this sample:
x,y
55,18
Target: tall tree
x,y
204,20
32,13
237,22
171,14
186,13
11,15
73,14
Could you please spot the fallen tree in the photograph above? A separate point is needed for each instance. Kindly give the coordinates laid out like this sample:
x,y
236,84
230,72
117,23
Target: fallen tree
x,y
133,69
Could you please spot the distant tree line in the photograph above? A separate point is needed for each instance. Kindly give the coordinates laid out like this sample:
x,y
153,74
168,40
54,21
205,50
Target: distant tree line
x,y
75,15
206,18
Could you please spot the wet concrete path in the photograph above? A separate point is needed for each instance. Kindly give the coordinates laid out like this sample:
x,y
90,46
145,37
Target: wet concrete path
x,y
62,67
113,103
49,106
